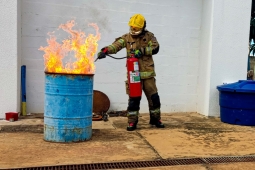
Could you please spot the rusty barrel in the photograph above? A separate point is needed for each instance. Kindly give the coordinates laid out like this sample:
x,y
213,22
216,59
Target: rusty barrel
x,y
68,107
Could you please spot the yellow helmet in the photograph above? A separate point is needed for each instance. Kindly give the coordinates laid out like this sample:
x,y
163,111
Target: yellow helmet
x,y
136,20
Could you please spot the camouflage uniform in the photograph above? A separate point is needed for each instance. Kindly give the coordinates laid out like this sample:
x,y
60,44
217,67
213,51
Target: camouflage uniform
x,y
149,45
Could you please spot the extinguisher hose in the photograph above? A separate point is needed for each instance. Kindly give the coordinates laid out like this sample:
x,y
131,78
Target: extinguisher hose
x,y
112,57
116,57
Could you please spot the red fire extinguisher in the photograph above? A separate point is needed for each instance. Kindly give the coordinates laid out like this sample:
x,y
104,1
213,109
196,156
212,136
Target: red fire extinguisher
x,y
134,80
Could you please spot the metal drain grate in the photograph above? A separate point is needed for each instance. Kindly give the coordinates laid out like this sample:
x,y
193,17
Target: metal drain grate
x,y
144,164
214,160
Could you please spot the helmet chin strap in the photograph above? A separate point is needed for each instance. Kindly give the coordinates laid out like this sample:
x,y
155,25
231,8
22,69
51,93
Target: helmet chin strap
x,y
135,32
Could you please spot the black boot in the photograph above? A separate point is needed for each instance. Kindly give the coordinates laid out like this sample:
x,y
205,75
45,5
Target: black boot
x,y
156,122
132,120
152,120
155,118
159,124
131,126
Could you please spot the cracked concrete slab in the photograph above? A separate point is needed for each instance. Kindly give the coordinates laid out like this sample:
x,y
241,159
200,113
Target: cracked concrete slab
x,y
233,166
186,135
189,143
29,149
199,136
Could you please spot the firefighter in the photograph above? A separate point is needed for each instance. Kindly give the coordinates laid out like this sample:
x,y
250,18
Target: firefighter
x,y
143,44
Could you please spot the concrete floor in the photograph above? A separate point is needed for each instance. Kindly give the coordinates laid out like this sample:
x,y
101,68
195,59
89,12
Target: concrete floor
x,y
187,135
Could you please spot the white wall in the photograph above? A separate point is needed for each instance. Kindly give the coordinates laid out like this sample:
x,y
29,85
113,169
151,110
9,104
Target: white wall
x,y
230,49
175,23
9,56
205,58
224,49
203,44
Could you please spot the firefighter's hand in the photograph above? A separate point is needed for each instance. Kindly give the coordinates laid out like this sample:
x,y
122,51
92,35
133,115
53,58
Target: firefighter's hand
x,y
138,54
102,53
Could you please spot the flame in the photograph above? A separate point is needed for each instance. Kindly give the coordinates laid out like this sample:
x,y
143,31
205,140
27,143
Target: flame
x,y
83,47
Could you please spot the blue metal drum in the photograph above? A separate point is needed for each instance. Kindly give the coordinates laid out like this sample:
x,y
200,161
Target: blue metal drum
x,y
68,107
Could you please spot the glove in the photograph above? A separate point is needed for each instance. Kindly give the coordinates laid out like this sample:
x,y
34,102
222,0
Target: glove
x,y
102,53
146,51
138,54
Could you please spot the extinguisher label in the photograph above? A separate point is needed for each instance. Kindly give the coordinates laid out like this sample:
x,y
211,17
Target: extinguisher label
x,y
136,66
134,76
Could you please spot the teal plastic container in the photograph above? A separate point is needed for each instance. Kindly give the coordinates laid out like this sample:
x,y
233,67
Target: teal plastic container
x,y
68,107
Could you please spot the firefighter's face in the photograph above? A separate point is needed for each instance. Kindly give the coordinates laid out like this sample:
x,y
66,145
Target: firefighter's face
x,y
135,30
